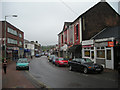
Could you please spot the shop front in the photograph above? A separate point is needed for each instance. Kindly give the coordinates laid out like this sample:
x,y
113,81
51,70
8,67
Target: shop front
x,y
105,54
12,53
88,50
101,51
27,53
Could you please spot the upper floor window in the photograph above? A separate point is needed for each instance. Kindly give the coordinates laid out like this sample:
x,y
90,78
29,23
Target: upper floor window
x,y
20,35
20,42
62,39
10,30
11,41
77,32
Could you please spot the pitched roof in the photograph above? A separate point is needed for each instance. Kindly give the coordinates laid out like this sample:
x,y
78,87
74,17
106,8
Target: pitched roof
x,y
108,32
96,5
65,23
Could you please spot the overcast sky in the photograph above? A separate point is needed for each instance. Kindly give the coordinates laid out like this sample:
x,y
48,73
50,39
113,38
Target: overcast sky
x,y
41,20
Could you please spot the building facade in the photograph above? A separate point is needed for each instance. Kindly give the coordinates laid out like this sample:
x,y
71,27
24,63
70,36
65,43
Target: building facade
x,y
31,48
14,41
104,48
87,26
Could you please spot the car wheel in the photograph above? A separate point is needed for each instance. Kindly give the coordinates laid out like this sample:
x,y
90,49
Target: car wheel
x,y
70,68
85,70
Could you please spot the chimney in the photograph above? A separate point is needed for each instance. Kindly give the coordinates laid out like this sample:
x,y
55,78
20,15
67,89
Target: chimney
x,y
103,1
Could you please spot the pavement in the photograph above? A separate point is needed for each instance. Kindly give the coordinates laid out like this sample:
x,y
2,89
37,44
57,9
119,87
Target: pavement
x,y
15,78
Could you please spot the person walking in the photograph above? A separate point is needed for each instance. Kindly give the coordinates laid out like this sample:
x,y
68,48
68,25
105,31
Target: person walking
x,y
5,66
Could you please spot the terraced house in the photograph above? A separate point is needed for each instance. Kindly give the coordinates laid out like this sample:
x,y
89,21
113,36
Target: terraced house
x,y
85,27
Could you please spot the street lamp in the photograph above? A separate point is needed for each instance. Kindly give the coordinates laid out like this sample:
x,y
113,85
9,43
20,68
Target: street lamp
x,y
5,34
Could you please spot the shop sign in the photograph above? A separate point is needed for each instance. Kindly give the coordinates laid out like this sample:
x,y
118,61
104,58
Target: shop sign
x,y
101,44
13,48
9,51
110,44
64,48
104,39
88,42
87,46
70,46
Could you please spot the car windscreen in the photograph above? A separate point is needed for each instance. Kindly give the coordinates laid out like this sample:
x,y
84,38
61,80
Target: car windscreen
x,y
78,60
22,62
61,59
86,60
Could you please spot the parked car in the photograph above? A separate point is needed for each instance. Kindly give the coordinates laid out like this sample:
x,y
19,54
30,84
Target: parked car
x,y
37,55
51,57
22,64
42,54
61,61
22,59
85,65
119,67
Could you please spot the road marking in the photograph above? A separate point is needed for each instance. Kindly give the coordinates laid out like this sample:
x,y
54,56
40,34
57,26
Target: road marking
x,y
37,80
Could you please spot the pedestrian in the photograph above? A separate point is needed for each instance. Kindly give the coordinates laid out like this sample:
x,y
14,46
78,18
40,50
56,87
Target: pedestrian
x,y
31,57
5,66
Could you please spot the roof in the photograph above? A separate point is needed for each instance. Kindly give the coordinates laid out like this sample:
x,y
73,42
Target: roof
x,y
12,26
65,23
108,32
97,5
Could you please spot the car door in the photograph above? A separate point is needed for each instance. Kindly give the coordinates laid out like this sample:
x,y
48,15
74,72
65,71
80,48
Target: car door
x,y
74,63
78,64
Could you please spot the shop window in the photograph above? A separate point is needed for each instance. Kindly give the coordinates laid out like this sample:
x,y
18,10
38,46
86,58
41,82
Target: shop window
x,y
87,53
98,47
102,48
108,54
100,53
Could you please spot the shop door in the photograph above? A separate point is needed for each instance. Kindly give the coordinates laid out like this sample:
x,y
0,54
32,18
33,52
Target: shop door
x,y
109,58
92,55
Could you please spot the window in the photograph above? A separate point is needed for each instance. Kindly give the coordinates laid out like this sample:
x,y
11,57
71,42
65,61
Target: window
x,y
87,53
71,34
20,42
10,30
100,53
62,39
11,41
77,32
20,35
25,46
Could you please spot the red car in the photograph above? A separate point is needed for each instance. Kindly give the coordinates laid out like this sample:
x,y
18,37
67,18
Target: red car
x,y
61,61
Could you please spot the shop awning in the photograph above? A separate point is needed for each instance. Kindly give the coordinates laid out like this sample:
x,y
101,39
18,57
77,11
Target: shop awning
x,y
26,50
72,49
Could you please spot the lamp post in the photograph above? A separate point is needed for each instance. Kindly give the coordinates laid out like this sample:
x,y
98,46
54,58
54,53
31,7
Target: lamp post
x,y
5,34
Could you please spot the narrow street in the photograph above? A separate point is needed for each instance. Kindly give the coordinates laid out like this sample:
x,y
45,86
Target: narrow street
x,y
60,77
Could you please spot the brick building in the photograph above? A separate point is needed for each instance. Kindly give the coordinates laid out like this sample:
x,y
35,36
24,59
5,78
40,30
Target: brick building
x,y
14,41
87,25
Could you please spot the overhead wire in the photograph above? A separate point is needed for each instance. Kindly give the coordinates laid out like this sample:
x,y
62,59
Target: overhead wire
x,y
68,7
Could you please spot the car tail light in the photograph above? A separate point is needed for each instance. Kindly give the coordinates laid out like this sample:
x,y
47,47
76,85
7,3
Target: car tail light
x,y
89,67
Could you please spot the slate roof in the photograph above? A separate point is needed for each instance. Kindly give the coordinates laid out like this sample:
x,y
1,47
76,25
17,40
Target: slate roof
x,y
108,32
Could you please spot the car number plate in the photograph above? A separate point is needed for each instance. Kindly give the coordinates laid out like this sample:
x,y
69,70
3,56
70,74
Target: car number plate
x,y
98,69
